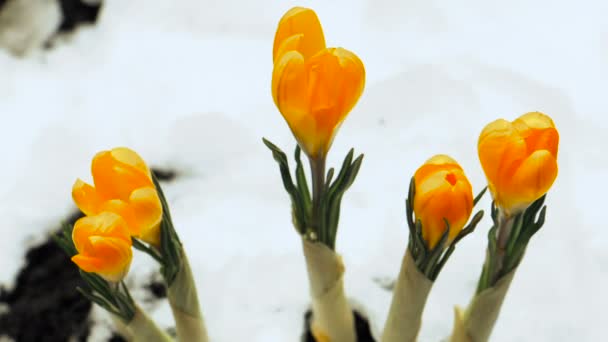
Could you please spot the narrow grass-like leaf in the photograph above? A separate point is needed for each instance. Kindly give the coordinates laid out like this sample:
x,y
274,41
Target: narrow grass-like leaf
x,y
479,196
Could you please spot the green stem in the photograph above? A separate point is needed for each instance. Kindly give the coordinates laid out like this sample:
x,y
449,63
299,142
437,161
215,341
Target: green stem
x,y
317,170
504,232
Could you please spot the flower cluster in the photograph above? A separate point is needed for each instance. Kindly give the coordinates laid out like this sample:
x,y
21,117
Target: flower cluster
x,y
122,204
314,88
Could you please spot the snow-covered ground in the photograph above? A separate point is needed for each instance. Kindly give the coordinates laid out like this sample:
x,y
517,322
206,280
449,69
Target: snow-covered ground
x,y
186,84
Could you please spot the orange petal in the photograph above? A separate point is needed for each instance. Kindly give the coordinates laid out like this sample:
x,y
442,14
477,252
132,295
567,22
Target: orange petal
x,y
88,263
124,210
110,258
534,120
289,44
539,132
289,83
435,164
442,192
299,21
430,207
533,179
86,198
289,90
500,150
118,172
148,211
105,224
336,78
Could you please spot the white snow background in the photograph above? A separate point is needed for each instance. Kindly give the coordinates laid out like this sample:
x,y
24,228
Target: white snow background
x,y
187,85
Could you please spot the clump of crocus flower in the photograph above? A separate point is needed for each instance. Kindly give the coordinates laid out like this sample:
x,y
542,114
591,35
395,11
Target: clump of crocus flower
x,y
315,87
519,159
439,204
126,208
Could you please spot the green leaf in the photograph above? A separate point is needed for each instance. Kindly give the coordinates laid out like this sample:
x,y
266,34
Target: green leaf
x,y
330,175
297,200
64,240
303,189
345,179
479,196
144,248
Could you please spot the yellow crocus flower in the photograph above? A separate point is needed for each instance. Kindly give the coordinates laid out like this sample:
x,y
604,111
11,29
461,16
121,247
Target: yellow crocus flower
x,y
103,243
442,192
123,185
313,87
519,159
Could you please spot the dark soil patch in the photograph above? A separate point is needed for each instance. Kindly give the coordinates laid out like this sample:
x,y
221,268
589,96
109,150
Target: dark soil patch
x,y
364,333
44,306
76,12
157,289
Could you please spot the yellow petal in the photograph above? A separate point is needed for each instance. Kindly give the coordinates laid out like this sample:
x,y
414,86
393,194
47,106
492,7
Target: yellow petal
x,y
289,83
289,44
290,93
148,211
124,210
336,80
86,198
110,258
539,132
500,149
533,179
118,172
534,120
442,192
103,244
436,163
299,21
104,224
441,159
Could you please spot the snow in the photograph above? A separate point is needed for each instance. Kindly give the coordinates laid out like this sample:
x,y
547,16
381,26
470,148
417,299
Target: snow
x,y
186,84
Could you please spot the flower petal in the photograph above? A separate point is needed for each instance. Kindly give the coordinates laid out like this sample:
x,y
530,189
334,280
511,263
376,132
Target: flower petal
x,y
500,149
86,198
124,210
299,21
148,212
104,224
442,192
289,90
336,78
533,179
110,258
539,132
118,172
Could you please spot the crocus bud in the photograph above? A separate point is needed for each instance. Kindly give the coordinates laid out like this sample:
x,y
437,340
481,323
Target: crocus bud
x,y
443,192
313,87
519,159
123,185
300,30
103,243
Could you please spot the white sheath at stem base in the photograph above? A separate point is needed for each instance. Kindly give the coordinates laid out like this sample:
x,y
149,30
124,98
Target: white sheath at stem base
x,y
143,329
121,328
409,298
476,323
183,299
332,317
